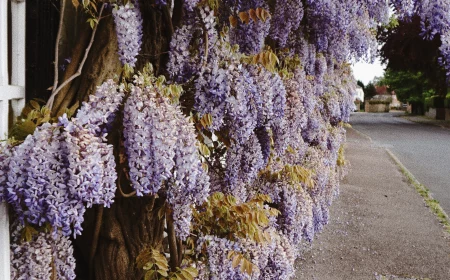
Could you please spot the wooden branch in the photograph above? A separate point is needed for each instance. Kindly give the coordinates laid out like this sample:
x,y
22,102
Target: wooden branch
x,y
166,14
54,273
180,251
78,73
119,187
152,203
173,262
126,195
211,166
177,15
98,224
58,39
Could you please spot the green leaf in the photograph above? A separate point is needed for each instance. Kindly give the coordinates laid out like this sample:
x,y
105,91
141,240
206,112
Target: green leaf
x,y
86,3
148,266
162,264
35,105
163,272
186,275
192,271
26,128
71,111
149,275
204,150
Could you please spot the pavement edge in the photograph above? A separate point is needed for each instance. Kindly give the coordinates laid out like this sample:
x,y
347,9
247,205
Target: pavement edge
x,y
431,203
360,133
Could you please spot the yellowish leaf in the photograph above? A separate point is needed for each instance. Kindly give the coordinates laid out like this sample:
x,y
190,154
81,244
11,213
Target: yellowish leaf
x,y
230,254
94,6
259,13
274,58
192,271
186,275
148,266
252,14
248,267
204,150
75,3
236,260
163,272
35,105
244,16
265,15
162,264
233,21
205,166
149,275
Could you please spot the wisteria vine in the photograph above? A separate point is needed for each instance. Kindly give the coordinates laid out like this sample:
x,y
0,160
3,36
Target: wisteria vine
x,y
270,91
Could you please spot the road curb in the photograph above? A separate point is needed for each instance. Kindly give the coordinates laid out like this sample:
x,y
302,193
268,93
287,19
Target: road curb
x,y
430,122
431,203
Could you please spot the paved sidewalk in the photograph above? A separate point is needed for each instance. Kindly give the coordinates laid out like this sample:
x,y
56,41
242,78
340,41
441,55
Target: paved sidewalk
x,y
379,226
427,120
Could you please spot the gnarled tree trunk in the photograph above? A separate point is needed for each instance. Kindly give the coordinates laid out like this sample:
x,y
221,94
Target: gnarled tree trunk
x,y
112,238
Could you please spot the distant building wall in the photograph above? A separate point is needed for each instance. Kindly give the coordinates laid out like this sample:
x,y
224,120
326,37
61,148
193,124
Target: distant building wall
x,y
395,103
376,108
437,113
359,94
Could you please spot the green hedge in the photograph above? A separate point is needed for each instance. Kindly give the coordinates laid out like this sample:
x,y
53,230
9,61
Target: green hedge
x,y
447,101
434,101
374,102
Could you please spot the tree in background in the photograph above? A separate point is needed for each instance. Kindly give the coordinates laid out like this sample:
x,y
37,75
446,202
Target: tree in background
x,y
409,87
409,55
369,91
360,84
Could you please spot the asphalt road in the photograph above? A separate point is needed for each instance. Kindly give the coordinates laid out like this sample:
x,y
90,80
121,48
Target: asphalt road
x,y
423,149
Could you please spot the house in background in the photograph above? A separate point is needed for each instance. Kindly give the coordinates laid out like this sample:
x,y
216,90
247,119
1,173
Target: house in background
x,y
383,101
358,98
395,104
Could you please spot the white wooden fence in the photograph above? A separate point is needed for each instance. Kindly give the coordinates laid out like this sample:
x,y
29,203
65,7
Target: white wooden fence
x,y
12,97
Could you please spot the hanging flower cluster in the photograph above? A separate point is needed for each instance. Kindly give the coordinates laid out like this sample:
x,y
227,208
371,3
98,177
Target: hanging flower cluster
x,y
128,22
42,257
287,17
63,167
162,151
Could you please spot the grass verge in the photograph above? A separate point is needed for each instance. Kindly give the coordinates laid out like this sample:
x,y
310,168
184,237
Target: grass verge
x,y
432,203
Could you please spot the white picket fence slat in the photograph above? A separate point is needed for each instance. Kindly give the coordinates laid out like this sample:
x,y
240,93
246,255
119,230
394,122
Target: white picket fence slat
x,y
12,97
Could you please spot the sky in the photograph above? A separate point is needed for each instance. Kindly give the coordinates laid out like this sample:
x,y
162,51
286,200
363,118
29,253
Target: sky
x,y
365,72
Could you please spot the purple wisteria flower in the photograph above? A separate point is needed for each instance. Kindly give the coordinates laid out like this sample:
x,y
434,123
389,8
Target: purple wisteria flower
x,y
286,19
128,22
243,162
162,151
37,258
64,167
99,112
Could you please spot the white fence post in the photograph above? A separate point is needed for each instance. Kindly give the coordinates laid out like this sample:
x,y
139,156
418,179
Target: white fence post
x,y
4,107
12,95
18,52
